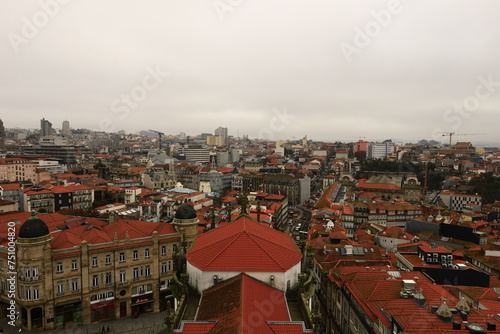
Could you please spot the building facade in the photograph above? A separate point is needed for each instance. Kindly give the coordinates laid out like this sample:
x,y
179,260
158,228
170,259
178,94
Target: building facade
x,y
90,272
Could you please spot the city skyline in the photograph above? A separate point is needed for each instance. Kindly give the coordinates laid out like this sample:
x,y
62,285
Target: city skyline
x,y
333,71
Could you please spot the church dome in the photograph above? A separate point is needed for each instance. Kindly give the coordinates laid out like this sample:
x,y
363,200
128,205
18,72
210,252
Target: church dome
x,y
185,211
33,227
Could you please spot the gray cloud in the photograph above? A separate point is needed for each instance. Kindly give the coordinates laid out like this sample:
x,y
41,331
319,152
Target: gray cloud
x,y
264,55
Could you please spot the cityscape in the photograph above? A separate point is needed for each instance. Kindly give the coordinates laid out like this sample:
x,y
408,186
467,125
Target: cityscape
x,y
249,167
213,233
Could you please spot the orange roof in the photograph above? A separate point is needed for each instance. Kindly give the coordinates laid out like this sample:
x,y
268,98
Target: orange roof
x,y
239,298
244,245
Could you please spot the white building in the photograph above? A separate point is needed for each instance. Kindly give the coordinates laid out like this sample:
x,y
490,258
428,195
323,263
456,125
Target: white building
x,y
380,150
244,246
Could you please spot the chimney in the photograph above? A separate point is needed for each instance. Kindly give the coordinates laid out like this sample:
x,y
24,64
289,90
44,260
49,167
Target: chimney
x,y
456,326
491,326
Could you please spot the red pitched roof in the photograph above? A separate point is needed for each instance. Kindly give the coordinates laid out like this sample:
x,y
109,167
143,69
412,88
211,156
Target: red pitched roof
x,y
232,303
244,245
10,186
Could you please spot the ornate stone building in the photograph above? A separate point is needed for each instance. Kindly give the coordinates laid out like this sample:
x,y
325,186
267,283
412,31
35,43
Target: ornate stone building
x,y
83,270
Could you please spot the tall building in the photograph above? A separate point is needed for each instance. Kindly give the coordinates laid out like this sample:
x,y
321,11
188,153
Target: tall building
x,y
65,128
222,132
45,128
2,136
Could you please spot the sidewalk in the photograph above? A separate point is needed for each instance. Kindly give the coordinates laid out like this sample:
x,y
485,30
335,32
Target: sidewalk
x,y
144,324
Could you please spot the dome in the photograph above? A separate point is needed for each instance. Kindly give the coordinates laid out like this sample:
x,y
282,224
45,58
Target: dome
x,y
185,211
34,227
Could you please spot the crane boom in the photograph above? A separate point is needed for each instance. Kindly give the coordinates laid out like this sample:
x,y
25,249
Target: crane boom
x,y
451,134
159,139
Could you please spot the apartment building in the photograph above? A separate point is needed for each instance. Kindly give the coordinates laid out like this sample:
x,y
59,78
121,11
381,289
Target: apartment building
x,y
14,170
83,270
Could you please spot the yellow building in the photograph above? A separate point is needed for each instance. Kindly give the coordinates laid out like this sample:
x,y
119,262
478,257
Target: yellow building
x,y
83,270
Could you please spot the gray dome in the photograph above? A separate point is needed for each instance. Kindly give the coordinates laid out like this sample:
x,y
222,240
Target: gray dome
x,y
185,211
34,227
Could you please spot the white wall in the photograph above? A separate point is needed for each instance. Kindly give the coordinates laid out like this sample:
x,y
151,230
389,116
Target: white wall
x,y
203,280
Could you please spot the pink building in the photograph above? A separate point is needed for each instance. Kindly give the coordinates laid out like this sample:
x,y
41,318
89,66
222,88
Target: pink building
x,y
360,145
15,169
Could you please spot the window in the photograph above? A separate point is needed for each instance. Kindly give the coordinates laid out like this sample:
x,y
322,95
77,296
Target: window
x,y
163,250
170,265
34,272
147,271
146,253
122,257
164,267
165,284
109,278
94,261
74,285
122,276
108,259
135,255
27,272
95,281
59,269
60,287
135,273
74,265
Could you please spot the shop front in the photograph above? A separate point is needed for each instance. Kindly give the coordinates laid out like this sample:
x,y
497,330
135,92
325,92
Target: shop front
x,y
142,299
102,306
142,304
70,313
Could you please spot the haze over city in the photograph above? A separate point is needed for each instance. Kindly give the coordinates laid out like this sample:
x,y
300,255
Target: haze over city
x,y
339,69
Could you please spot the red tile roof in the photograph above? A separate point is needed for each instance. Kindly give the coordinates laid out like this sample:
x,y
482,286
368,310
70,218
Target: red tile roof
x,y
244,245
235,303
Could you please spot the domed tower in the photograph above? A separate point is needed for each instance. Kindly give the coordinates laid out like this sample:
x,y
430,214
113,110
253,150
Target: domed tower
x,y
186,223
34,270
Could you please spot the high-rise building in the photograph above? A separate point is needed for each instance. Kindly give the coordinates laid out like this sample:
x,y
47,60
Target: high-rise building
x,y
2,136
65,128
222,132
45,128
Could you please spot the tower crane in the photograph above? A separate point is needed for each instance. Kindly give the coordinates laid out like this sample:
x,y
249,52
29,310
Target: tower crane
x,y
451,134
159,139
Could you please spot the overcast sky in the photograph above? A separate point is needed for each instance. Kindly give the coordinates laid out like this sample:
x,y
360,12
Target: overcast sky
x,y
334,70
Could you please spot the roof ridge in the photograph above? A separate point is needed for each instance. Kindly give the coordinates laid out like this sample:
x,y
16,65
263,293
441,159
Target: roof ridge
x,y
235,237
264,249
373,290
